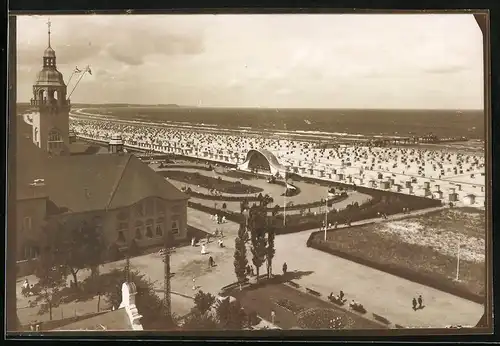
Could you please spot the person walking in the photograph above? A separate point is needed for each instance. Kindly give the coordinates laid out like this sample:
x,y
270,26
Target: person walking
x,y
420,302
414,302
285,267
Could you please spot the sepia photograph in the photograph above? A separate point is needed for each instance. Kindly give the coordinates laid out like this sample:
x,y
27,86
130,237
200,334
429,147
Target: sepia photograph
x,y
249,172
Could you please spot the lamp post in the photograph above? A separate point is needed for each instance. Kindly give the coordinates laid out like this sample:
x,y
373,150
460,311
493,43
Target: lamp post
x,y
284,206
326,215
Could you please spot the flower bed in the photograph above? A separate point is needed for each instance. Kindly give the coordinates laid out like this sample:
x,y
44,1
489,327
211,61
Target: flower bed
x,y
210,182
295,309
414,251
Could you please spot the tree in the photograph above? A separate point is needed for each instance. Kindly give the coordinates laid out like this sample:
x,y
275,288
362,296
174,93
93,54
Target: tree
x,y
257,224
148,303
76,244
203,301
270,251
51,283
198,321
230,315
240,259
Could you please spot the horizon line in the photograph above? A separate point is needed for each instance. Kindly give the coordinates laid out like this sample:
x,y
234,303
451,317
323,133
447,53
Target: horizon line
x,y
173,105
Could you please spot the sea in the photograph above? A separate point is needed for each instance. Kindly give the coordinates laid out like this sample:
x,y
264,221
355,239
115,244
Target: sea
x,y
319,123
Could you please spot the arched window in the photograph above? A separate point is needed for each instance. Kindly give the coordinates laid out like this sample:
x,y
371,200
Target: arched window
x,y
55,141
138,230
175,225
149,228
159,227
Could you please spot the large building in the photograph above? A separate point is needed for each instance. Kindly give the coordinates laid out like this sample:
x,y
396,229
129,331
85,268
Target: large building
x,y
125,198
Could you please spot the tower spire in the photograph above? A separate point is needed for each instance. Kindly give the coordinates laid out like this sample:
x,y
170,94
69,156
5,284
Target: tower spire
x,y
48,26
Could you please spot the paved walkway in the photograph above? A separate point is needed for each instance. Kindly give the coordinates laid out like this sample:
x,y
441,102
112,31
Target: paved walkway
x,y
308,192
379,292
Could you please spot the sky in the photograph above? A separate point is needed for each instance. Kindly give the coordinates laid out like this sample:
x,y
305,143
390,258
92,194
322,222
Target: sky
x,y
401,61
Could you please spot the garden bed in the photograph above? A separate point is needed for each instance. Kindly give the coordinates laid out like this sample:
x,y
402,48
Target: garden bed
x,y
295,309
211,183
421,254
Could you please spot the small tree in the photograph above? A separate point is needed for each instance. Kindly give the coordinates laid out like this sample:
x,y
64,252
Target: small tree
x,y
148,303
258,226
240,259
51,283
270,251
76,244
203,301
197,321
230,315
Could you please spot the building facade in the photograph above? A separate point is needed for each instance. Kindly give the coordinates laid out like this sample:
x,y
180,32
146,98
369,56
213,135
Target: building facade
x,y
123,197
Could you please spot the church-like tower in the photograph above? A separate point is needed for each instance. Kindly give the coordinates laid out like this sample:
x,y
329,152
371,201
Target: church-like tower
x,y
51,123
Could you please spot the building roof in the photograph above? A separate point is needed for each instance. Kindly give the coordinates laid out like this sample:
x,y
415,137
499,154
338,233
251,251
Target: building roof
x,y
50,77
112,320
89,182
49,53
99,182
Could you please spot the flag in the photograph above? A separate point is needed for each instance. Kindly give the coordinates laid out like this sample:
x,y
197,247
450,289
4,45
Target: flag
x,y
88,70
77,70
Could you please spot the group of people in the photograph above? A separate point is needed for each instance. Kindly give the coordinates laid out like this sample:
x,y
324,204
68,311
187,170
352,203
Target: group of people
x,y
338,298
27,288
220,219
417,303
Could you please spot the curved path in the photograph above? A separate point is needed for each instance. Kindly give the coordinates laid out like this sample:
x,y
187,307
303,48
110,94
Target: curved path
x,y
309,193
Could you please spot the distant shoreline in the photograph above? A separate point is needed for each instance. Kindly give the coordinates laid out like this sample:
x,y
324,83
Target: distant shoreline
x,y
132,105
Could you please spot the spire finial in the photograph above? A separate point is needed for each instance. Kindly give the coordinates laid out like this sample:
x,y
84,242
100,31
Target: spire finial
x,y
48,26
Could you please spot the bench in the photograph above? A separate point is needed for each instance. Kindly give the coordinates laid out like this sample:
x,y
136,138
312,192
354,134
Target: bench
x,y
358,308
313,292
381,318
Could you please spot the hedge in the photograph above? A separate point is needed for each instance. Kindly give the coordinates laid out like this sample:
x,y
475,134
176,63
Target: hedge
x,y
442,285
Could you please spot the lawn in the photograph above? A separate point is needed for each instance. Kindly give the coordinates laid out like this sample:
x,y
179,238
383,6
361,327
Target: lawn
x,y
290,305
424,247
219,184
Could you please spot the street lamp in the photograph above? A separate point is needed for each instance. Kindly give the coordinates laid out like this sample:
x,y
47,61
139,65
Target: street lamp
x,y
326,215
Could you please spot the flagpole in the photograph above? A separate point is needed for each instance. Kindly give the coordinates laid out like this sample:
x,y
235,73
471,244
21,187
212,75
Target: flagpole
x,y
86,70
69,80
